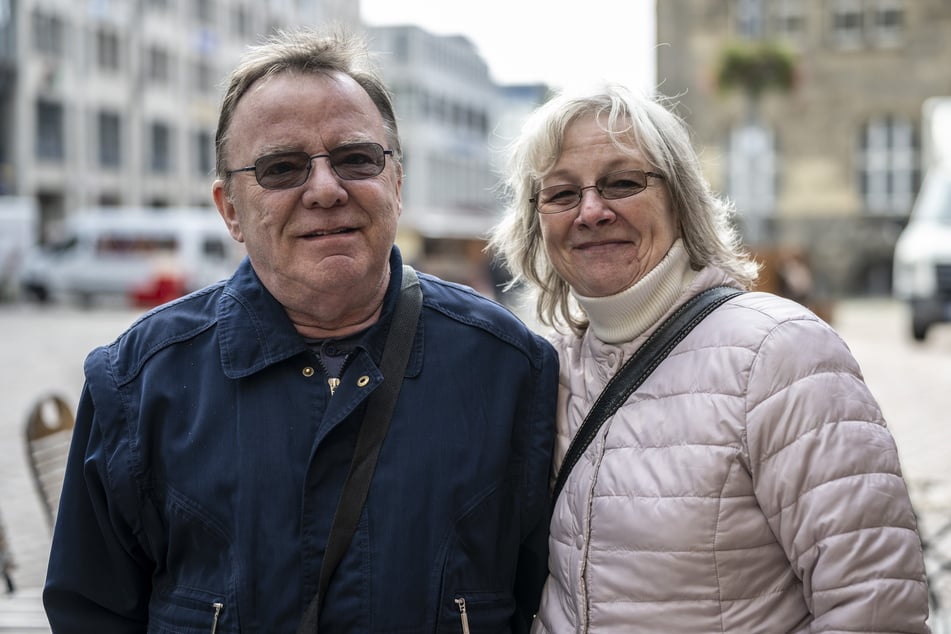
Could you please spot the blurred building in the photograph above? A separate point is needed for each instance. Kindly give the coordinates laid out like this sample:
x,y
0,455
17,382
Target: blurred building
x,y
449,111
826,160
114,102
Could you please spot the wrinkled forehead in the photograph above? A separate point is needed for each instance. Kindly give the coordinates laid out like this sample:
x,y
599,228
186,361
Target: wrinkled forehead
x,y
306,108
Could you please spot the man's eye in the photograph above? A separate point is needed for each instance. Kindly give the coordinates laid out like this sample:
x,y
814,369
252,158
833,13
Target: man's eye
x,y
354,157
280,167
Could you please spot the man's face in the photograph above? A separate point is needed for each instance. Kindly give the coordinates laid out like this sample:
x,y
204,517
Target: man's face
x,y
328,239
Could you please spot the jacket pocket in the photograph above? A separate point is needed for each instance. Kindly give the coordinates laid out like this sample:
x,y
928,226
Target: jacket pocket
x,y
477,613
190,611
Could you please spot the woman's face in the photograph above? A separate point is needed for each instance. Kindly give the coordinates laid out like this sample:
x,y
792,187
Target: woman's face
x,y
602,247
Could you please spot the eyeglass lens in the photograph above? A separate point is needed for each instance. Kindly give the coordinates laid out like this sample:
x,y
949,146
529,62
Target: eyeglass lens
x,y
355,161
610,186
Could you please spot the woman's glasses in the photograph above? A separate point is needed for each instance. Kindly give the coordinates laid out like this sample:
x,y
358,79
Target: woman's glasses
x,y
284,170
558,198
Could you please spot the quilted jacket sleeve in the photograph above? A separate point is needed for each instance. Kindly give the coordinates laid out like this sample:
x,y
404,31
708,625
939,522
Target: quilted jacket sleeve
x,y
826,473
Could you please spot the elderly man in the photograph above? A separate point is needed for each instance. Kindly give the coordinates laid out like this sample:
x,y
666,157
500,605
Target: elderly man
x,y
214,449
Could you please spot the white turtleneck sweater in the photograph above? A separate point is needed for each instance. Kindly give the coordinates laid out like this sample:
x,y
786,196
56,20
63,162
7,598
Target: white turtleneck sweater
x,y
625,315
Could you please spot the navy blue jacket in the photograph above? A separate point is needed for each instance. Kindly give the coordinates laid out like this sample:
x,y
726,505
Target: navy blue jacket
x,y
208,458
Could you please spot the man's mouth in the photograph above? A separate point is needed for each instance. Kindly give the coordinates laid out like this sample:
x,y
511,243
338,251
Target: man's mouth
x,y
331,232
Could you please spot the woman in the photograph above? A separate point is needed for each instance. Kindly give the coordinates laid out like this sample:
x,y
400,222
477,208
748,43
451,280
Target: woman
x,y
750,483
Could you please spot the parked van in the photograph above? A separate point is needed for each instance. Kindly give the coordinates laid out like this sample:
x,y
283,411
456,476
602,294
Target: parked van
x,y
142,257
922,273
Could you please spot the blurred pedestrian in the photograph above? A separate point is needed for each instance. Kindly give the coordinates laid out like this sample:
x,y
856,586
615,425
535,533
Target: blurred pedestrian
x,y
749,484
219,462
6,561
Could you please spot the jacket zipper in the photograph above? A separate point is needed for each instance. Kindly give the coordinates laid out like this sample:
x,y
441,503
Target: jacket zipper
x,y
217,605
333,382
463,616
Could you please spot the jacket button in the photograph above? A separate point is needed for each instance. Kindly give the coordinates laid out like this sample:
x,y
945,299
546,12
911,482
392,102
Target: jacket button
x,y
363,381
308,371
579,541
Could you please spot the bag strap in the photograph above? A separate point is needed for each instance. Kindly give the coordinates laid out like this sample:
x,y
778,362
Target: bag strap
x,y
637,369
376,420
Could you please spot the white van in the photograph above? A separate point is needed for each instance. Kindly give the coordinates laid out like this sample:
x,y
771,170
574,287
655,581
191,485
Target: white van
x,y
140,257
922,265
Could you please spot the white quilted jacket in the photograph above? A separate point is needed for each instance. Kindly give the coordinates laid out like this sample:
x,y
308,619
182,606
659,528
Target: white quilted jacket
x,y
749,485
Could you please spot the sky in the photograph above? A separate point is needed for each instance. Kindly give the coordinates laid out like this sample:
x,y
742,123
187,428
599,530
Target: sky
x,y
562,44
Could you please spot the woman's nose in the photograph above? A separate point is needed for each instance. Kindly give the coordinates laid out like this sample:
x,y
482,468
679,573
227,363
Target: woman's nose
x,y
593,209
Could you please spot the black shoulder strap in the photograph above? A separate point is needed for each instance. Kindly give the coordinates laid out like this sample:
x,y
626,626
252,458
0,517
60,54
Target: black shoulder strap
x,y
399,343
637,369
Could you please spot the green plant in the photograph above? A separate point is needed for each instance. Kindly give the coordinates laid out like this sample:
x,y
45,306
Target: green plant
x,y
755,68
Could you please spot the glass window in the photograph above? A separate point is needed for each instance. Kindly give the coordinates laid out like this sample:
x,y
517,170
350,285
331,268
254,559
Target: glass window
x,y
204,77
749,19
205,11
790,19
48,34
887,165
110,141
847,23
160,148
887,22
107,50
241,22
50,138
159,65
204,153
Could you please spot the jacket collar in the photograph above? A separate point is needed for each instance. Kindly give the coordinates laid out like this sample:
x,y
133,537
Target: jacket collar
x,y
255,331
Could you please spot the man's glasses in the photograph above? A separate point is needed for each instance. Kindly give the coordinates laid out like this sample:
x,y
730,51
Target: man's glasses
x,y
558,198
284,170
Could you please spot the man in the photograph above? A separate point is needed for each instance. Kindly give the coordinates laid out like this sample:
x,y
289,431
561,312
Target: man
x,y
214,437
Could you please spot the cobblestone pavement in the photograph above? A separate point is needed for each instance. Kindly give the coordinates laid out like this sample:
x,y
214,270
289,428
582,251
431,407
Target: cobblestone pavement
x,y
43,350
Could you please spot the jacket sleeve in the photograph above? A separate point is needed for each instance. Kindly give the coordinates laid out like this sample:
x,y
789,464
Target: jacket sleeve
x,y
827,475
536,511
98,579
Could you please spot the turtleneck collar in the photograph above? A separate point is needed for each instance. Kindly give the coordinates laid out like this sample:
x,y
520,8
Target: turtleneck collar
x,y
622,317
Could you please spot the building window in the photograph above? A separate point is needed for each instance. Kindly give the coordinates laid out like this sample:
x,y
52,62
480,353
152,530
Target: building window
x,y
241,22
751,179
204,77
789,19
50,138
160,148
107,50
48,34
110,139
887,22
888,165
205,11
204,153
847,23
159,65
749,19
872,23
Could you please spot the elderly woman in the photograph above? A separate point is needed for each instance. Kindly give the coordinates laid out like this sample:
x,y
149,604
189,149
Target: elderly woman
x,y
749,484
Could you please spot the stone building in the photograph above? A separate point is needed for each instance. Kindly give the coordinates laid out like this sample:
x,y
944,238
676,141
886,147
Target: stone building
x,y
831,166
114,102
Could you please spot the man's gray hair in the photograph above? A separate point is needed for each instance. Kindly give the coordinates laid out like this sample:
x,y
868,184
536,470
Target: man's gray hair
x,y
308,51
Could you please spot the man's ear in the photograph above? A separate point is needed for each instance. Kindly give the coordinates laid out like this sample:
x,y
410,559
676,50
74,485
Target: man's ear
x,y
219,192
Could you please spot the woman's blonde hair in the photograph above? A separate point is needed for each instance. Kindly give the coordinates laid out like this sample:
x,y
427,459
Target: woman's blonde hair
x,y
705,220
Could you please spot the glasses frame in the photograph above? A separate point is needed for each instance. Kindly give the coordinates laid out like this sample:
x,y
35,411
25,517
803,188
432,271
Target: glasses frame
x,y
598,186
310,164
